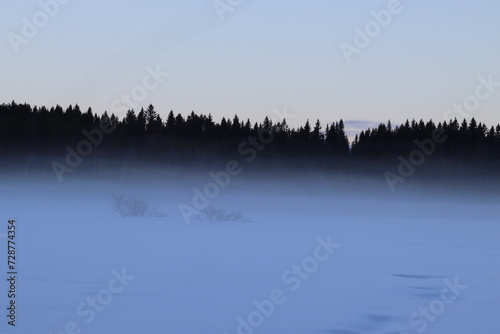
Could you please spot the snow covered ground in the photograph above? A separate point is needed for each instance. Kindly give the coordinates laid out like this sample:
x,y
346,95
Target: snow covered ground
x,y
308,261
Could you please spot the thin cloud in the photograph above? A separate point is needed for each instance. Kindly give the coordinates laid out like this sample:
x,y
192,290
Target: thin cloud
x,y
354,127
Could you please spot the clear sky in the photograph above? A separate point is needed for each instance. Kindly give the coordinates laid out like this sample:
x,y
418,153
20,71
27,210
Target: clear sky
x,y
263,55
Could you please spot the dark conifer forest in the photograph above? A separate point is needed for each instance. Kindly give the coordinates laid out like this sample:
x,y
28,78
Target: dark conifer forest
x,y
63,138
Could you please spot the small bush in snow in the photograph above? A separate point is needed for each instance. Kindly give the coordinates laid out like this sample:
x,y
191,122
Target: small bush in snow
x,y
219,215
132,207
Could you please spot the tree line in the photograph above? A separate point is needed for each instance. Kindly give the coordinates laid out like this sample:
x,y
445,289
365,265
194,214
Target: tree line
x,y
145,135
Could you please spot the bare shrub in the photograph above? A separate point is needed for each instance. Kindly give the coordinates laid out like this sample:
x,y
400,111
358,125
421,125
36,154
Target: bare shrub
x,y
220,215
133,207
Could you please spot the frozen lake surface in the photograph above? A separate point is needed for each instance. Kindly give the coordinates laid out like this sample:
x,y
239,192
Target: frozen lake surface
x,y
307,261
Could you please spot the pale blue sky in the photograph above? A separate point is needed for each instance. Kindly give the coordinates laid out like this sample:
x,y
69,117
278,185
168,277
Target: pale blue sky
x,y
264,55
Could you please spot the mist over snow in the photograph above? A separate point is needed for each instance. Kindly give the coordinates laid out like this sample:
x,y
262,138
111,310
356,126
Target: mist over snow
x,y
314,254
